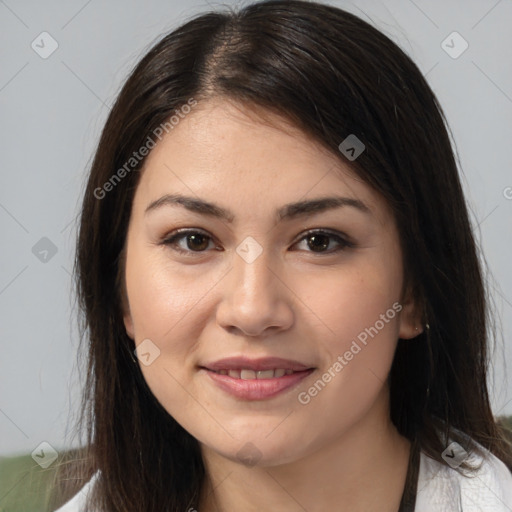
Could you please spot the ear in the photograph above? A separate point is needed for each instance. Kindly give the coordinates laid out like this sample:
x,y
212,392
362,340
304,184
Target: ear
x,y
411,319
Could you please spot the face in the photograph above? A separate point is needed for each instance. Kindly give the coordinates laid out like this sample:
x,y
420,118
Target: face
x,y
254,265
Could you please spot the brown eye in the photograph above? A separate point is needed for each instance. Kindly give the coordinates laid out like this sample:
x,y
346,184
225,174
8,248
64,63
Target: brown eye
x,y
188,241
197,242
320,242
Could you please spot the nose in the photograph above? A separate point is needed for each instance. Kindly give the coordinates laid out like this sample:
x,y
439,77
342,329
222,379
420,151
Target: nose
x,y
255,299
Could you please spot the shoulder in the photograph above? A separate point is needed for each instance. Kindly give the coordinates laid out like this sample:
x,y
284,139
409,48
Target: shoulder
x,y
443,488
78,502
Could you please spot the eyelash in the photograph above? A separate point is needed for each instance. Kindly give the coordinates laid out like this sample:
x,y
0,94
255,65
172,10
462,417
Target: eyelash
x,y
172,240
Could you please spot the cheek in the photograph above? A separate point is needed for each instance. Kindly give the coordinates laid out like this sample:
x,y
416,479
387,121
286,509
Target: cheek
x,y
361,310
352,301
162,300
167,307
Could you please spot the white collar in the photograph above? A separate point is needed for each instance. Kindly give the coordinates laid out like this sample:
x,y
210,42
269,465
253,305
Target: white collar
x,y
442,488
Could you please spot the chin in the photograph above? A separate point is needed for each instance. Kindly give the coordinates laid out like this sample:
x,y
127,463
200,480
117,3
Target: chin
x,y
259,451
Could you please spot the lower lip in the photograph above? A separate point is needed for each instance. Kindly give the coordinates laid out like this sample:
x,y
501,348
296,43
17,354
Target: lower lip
x,y
257,389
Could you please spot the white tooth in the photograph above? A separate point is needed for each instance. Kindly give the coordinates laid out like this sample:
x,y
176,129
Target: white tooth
x,y
288,372
247,374
279,373
265,374
234,373
223,372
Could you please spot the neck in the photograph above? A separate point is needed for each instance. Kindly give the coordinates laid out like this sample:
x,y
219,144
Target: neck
x,y
364,469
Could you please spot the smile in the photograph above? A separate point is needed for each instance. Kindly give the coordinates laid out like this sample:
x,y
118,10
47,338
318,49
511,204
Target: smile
x,y
256,385
246,374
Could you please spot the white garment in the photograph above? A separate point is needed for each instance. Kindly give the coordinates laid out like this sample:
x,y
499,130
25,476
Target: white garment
x,y
440,488
443,489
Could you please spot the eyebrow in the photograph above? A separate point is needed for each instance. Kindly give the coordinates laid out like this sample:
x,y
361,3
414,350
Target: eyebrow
x,y
286,212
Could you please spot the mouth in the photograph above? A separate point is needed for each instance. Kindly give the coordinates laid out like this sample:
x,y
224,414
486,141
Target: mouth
x,y
248,374
261,379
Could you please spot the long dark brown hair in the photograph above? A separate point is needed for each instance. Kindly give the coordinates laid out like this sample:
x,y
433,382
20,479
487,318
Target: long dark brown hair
x,y
331,74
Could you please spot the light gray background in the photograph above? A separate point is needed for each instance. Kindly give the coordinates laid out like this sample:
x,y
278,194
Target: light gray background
x,y
52,111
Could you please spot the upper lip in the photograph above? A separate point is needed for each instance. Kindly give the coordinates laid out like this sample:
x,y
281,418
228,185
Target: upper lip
x,y
264,363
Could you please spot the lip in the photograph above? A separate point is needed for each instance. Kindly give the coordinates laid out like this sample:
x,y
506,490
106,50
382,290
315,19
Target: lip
x,y
256,389
263,363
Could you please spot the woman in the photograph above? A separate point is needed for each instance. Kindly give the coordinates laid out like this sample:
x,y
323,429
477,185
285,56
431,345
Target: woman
x,y
282,297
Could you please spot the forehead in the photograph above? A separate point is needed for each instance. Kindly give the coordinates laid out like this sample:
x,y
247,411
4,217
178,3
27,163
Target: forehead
x,y
249,160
